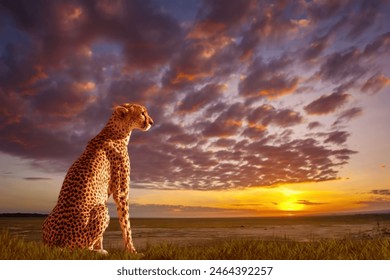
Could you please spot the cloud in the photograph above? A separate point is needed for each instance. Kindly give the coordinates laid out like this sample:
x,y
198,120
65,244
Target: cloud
x,y
223,142
375,83
337,137
37,178
268,80
342,65
379,200
267,114
315,49
321,10
313,125
327,103
269,24
368,12
137,89
378,46
231,163
348,115
208,50
199,99
215,16
310,203
226,124
26,139
381,192
353,63
190,66
74,99
287,162
147,36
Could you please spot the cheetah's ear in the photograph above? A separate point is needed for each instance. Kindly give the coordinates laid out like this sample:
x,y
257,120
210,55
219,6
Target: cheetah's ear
x,y
121,111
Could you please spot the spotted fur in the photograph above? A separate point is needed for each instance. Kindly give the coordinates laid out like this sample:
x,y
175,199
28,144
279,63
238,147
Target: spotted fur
x,y
80,216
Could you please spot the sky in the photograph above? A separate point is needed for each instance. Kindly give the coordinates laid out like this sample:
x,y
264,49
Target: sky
x,y
261,108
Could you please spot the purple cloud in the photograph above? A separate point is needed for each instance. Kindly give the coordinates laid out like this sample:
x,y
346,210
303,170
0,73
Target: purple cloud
x,y
327,103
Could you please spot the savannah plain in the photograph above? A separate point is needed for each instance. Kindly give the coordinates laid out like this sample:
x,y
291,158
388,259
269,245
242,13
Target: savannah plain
x,y
352,237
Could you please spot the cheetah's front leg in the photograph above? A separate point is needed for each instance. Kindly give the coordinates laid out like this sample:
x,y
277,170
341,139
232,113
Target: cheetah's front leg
x,y
124,221
120,185
120,194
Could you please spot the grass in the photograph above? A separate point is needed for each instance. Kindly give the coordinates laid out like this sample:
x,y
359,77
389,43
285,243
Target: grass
x,y
16,248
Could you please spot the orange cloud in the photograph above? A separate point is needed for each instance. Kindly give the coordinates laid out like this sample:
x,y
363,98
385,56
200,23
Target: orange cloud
x,y
40,75
69,16
375,83
233,123
206,29
84,86
183,76
257,127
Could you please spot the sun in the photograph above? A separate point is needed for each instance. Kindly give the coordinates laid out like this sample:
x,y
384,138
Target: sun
x,y
290,199
290,205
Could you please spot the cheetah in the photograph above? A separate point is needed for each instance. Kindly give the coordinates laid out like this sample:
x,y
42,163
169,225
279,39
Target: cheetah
x,y
80,216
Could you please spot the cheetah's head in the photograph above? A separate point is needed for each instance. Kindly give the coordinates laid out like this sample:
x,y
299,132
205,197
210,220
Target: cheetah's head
x,y
134,115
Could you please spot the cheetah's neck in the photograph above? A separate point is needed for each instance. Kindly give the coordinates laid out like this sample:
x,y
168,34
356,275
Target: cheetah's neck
x,y
117,132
